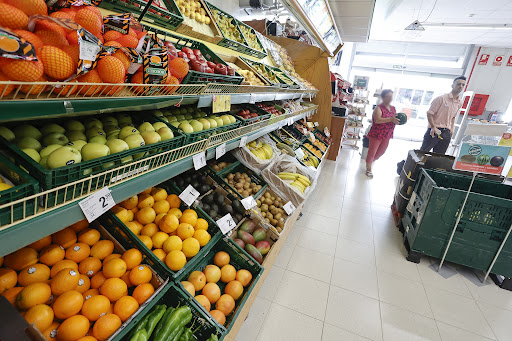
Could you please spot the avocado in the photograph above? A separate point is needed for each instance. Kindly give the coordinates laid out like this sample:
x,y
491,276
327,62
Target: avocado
x,y
228,209
238,217
215,207
219,198
179,182
237,206
213,214
206,207
208,199
195,184
204,188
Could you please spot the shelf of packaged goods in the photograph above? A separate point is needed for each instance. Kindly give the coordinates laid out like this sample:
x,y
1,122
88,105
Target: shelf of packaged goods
x,y
30,229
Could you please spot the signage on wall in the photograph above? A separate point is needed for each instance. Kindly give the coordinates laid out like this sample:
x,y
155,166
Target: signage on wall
x,y
361,82
483,59
498,60
509,63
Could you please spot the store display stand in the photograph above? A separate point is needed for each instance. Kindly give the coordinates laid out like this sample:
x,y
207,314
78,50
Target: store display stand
x,y
354,121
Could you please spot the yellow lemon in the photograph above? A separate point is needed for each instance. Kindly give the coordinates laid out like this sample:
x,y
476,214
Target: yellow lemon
x,y
190,247
202,236
158,239
185,231
175,260
173,243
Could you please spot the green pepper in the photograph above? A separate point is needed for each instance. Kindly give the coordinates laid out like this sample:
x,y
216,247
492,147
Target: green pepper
x,y
163,320
174,324
154,318
141,335
178,334
140,326
213,337
188,334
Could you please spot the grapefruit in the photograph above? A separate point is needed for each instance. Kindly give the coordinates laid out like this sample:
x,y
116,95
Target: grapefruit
x,y
52,38
128,41
57,63
5,89
178,67
123,58
112,35
35,89
90,77
74,52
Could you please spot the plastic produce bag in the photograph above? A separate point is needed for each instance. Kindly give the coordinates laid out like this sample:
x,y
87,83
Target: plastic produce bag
x,y
250,160
286,163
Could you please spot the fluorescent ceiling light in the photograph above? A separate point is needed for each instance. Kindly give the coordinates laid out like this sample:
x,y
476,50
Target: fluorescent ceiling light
x,y
415,26
469,26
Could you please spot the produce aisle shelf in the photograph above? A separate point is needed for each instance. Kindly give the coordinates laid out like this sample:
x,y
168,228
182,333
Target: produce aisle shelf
x,y
28,231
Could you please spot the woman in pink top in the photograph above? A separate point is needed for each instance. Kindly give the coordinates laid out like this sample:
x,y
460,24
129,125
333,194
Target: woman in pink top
x,y
381,132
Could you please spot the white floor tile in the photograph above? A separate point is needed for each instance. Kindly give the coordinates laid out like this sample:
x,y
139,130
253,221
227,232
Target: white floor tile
x,y
322,224
402,325
403,293
354,312
499,319
382,211
350,218
354,252
396,264
284,256
360,234
252,325
489,293
303,219
355,277
311,263
327,208
458,311
454,284
285,324
332,333
317,241
294,235
451,333
271,283
303,294
352,206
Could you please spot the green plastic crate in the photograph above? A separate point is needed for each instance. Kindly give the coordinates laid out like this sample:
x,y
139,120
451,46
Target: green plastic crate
x,y
433,209
174,296
196,77
239,167
24,186
228,157
314,147
260,53
240,260
283,77
205,134
320,136
51,178
168,18
262,114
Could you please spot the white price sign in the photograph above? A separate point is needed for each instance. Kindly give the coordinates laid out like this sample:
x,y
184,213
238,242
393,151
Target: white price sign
x,y
312,137
248,202
300,153
252,99
243,141
189,195
88,51
316,124
220,150
289,208
226,223
97,203
328,134
199,160
290,121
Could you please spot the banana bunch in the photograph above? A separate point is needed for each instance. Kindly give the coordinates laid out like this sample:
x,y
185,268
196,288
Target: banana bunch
x,y
298,181
285,149
310,160
262,151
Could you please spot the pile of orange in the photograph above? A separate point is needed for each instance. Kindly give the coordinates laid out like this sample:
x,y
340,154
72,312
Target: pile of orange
x,y
72,284
202,285
173,236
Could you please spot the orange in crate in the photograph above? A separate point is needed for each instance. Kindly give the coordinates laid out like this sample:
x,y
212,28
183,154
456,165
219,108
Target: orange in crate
x,y
33,294
57,63
52,38
8,279
64,238
90,266
33,274
106,326
73,328
40,315
128,41
35,89
31,38
63,264
65,280
89,20
68,304
111,70
78,252
21,70
125,307
13,18
38,245
90,77
21,259
178,67
112,35
95,306
51,254
29,7
142,292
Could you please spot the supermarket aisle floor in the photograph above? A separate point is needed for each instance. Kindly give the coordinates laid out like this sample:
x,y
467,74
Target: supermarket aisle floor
x,y
342,274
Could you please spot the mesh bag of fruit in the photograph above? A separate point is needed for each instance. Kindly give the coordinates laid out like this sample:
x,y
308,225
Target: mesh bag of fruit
x,y
257,154
289,179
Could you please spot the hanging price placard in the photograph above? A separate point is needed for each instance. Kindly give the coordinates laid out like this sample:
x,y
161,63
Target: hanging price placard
x,y
220,150
252,99
97,203
289,208
243,141
199,160
189,195
248,202
221,103
226,223
316,124
300,153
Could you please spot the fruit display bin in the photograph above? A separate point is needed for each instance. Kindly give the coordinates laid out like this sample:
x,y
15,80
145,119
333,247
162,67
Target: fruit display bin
x,y
239,167
283,78
294,133
52,178
228,158
271,70
432,212
24,186
310,156
174,296
196,77
261,51
189,30
244,66
231,44
111,219
258,212
262,114
169,16
121,244
240,260
314,147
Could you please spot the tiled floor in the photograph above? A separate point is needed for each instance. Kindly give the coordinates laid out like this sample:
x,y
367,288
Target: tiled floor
x,y
342,274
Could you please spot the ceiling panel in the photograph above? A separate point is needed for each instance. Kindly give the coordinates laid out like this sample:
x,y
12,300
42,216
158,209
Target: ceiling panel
x,y
356,39
351,8
353,22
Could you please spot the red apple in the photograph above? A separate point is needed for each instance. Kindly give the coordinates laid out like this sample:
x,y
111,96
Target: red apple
x,y
221,69
196,66
169,45
201,59
187,50
231,71
197,52
211,65
184,56
209,70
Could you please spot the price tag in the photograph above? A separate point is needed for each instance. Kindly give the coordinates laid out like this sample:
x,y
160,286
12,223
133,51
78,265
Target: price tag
x,y
290,121
221,103
299,153
289,207
248,202
189,195
243,141
220,150
312,137
252,99
88,51
97,203
226,223
317,124
199,160
328,134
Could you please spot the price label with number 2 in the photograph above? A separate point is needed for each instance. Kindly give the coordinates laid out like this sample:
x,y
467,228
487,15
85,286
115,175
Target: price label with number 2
x,y
226,223
97,203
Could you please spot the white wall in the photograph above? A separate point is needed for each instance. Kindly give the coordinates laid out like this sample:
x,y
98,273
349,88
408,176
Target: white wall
x,y
491,80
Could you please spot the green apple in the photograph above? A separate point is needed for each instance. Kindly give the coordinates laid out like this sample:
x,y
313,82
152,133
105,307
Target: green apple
x,y
74,135
126,124
98,139
183,110
32,153
109,128
44,161
196,115
198,126
158,113
165,133
206,124
93,122
127,131
213,123
109,121
183,121
27,130
78,144
158,125
28,142
146,126
112,136
74,125
175,124
94,150
220,121
47,129
134,141
203,114
179,117
127,159
231,118
187,128
163,118
171,118
188,116
117,145
151,137
225,119
108,165
55,138
190,109
64,156
7,134
94,131
47,150
123,118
